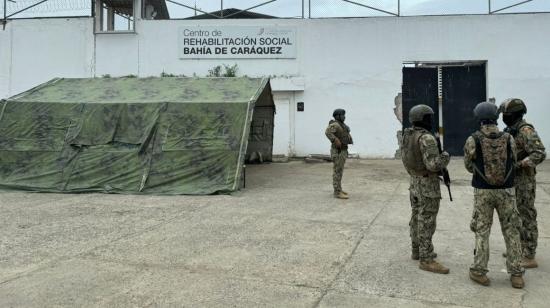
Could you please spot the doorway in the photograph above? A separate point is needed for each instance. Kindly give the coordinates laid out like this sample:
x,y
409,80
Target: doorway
x,y
452,90
281,138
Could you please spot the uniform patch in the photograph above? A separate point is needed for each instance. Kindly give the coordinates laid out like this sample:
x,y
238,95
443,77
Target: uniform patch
x,y
527,129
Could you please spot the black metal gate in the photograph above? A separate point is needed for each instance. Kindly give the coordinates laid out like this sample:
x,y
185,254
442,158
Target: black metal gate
x,y
462,86
419,87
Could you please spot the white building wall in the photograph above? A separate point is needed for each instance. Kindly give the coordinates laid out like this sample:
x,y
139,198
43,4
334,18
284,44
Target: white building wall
x,y
5,62
342,63
33,51
117,54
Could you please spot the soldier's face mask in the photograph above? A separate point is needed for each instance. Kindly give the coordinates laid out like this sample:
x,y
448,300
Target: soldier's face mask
x,y
426,123
340,117
511,118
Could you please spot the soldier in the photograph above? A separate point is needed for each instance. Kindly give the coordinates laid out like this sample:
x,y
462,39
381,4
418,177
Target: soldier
x,y
423,162
491,155
530,153
338,134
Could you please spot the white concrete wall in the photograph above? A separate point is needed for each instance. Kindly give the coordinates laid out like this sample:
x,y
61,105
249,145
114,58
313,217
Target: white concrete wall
x,y
117,54
348,63
33,51
5,62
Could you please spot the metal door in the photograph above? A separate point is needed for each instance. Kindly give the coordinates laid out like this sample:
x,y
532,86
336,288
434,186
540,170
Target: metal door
x,y
419,87
463,88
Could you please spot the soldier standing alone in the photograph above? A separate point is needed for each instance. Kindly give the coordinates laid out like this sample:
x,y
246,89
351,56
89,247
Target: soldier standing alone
x,y
491,155
423,162
530,153
339,135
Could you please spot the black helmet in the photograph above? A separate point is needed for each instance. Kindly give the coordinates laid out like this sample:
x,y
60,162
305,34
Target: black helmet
x,y
417,113
486,111
338,112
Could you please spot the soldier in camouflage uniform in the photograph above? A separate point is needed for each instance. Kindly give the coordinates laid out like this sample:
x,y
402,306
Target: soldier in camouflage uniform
x,y
423,162
490,156
531,152
339,135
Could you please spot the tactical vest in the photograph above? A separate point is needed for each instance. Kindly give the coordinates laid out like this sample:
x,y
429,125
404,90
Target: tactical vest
x,y
411,154
514,132
343,135
494,162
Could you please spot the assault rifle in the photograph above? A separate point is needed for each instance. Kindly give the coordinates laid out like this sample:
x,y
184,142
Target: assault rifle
x,y
444,171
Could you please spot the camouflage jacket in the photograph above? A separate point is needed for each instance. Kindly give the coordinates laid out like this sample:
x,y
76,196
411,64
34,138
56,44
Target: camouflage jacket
x,y
428,186
433,160
530,150
470,147
336,130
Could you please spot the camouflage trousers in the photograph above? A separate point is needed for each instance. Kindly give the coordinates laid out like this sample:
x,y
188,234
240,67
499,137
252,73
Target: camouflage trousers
x,y
503,201
525,199
338,160
423,223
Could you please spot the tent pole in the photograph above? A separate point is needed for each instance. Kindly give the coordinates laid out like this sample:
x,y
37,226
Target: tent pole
x,y
244,176
4,20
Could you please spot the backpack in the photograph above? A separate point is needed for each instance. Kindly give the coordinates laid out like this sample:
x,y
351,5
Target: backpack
x,y
494,161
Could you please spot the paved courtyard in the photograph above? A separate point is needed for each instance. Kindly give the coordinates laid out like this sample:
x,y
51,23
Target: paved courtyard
x,y
281,242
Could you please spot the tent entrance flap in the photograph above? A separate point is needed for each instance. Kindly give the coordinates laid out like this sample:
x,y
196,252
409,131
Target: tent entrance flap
x,y
260,142
133,135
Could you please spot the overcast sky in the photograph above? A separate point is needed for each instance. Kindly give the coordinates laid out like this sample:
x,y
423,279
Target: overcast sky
x,y
293,8
333,8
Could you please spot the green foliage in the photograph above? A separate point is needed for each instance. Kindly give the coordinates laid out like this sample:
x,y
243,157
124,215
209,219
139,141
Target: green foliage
x,y
215,71
229,71
164,74
130,76
106,76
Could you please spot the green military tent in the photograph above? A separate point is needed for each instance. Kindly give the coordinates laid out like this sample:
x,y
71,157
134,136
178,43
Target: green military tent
x,y
135,135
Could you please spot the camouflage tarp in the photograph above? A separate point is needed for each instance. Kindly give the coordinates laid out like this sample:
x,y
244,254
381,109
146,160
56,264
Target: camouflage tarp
x,y
129,135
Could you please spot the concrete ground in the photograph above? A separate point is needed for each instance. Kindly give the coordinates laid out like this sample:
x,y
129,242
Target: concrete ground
x,y
281,242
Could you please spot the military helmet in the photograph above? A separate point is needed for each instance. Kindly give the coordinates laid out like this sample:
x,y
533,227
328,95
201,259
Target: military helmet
x,y
417,113
486,111
338,112
513,105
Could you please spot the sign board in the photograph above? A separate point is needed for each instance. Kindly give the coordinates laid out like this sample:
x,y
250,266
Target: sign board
x,y
236,42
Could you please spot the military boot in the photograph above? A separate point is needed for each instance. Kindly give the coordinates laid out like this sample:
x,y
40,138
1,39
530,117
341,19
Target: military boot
x,y
481,279
416,255
433,266
517,281
345,193
341,195
529,262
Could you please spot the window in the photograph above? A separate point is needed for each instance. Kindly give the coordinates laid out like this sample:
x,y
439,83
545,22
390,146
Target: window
x,y
114,15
